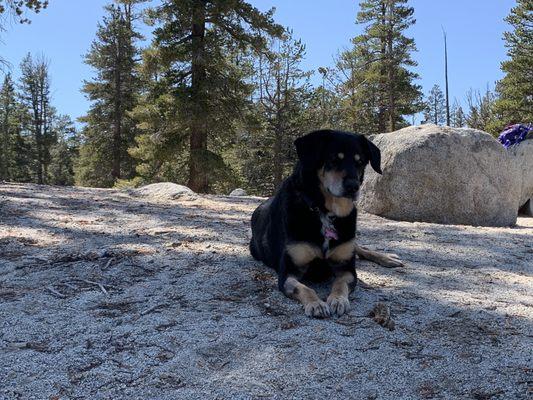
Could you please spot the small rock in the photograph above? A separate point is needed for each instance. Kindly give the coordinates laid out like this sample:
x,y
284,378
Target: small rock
x,y
238,192
163,191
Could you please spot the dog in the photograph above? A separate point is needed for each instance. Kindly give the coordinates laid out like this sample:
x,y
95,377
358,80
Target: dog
x,y
307,230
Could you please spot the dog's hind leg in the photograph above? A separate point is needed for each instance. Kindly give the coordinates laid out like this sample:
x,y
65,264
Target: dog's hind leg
x,y
383,259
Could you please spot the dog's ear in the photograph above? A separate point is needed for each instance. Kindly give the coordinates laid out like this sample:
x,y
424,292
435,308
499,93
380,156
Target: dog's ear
x,y
310,148
374,155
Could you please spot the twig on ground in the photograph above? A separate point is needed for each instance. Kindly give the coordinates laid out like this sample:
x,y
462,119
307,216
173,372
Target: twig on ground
x,y
51,289
108,263
148,311
70,286
101,286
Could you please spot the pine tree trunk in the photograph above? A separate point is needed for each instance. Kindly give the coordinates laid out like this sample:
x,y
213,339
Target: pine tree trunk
x,y
353,103
278,131
3,160
39,165
436,112
198,167
45,145
278,167
117,134
38,141
117,129
392,100
4,156
390,74
382,83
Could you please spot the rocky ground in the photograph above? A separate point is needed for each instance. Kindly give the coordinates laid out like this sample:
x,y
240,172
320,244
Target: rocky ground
x,y
108,296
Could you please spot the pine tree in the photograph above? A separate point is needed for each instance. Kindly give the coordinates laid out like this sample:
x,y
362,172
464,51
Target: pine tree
x,y
357,101
382,54
481,111
458,118
17,8
324,108
63,152
35,96
8,128
23,159
110,131
282,92
515,99
435,111
197,46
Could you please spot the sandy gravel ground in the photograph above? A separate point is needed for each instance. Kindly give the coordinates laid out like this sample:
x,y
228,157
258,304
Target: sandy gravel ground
x,y
107,296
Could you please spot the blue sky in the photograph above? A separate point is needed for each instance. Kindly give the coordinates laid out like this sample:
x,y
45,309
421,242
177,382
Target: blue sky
x,y
64,32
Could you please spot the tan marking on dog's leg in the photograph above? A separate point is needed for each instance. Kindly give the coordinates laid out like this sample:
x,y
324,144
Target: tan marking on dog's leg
x,y
302,253
338,299
385,260
313,306
343,252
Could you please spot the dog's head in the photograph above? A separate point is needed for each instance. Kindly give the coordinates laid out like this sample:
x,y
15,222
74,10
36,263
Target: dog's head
x,y
339,159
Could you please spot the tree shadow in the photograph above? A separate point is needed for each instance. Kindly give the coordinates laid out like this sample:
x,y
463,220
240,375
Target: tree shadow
x,y
181,293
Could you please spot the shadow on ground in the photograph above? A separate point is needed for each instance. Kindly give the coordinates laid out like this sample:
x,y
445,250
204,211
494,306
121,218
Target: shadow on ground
x,y
103,295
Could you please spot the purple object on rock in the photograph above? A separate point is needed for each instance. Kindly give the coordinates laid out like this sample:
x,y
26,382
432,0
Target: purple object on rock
x,y
514,134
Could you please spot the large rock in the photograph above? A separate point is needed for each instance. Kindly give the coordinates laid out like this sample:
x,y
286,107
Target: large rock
x,y
163,191
522,155
444,175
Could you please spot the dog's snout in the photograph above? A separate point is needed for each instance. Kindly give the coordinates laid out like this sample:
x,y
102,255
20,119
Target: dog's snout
x,y
351,185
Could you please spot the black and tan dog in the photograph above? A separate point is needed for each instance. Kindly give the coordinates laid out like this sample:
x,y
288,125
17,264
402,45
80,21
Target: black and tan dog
x,y
307,230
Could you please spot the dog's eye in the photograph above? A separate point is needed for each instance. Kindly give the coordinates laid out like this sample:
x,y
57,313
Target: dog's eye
x,y
357,158
340,156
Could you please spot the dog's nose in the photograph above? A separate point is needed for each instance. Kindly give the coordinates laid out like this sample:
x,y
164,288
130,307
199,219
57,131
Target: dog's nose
x,y
351,185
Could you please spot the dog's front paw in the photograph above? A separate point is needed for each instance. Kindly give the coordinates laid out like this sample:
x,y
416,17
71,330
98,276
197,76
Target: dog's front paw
x,y
338,305
317,309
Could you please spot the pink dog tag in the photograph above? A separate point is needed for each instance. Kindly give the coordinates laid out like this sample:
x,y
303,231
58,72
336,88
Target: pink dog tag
x,y
331,233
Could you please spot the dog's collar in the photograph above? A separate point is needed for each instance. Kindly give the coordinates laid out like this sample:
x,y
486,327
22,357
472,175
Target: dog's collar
x,y
309,203
321,211
326,217
312,207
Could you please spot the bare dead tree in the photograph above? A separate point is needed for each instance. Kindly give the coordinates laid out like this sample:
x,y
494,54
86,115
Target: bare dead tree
x,y
446,77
